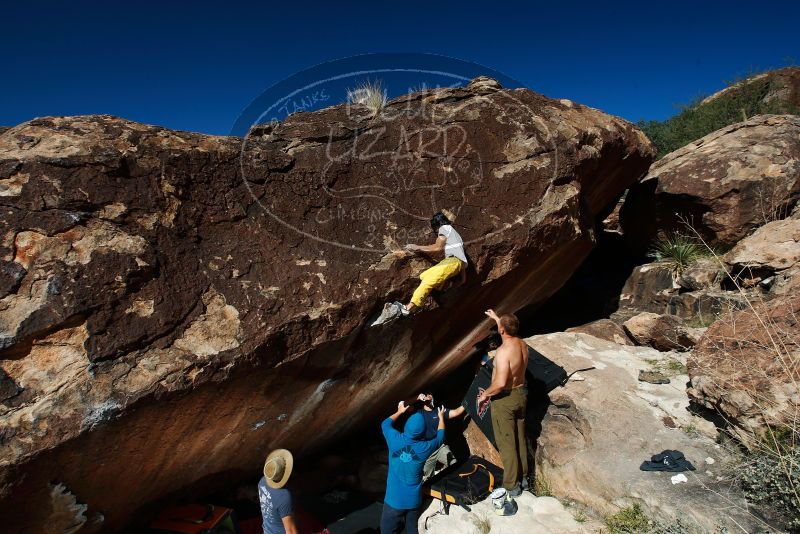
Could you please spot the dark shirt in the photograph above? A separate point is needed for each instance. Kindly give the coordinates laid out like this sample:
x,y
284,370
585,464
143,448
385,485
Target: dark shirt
x,y
432,422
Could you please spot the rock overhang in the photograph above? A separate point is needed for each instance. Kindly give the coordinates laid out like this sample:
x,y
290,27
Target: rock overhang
x,y
211,317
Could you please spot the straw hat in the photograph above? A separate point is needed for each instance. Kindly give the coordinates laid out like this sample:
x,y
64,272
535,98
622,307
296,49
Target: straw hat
x,y
278,468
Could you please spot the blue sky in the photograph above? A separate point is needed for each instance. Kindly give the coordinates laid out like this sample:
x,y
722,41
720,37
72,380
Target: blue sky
x,y
197,65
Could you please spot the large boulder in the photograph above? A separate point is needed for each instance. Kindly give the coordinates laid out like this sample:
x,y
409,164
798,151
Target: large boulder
x,y
604,329
695,294
702,274
598,431
649,287
772,247
662,332
178,304
746,368
701,307
725,185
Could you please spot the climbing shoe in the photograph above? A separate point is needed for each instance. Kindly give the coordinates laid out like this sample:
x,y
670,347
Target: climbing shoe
x,y
391,311
516,491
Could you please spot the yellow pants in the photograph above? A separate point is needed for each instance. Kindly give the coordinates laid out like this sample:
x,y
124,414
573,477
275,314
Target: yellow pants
x,y
435,277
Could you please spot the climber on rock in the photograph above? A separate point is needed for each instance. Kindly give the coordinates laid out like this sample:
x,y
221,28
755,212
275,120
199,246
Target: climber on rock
x,y
449,242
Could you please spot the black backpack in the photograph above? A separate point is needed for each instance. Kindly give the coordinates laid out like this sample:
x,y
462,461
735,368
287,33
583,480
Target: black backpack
x,y
465,483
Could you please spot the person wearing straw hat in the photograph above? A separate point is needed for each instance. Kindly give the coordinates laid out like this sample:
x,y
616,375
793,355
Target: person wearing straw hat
x,y
276,500
408,451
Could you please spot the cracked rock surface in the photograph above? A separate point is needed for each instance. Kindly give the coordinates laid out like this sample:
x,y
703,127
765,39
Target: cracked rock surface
x,y
174,305
599,430
746,368
726,184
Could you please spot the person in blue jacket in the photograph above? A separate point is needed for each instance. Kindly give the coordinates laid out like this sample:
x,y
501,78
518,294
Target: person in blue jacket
x,y
408,451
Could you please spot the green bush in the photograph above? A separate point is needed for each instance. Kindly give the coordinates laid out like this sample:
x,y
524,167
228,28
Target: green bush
x,y
770,478
744,100
630,520
678,250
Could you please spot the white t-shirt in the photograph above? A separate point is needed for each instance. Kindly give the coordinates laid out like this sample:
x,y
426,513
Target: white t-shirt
x,y
454,245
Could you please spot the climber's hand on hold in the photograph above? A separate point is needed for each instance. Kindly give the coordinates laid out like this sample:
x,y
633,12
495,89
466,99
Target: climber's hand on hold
x,y
412,247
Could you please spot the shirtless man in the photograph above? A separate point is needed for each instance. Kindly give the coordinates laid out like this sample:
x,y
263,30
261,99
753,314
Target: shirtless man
x,y
509,394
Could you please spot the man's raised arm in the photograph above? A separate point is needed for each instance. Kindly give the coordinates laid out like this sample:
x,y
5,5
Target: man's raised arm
x,y
492,315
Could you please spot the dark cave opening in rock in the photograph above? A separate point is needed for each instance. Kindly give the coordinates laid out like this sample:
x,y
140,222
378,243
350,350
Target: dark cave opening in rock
x,y
591,293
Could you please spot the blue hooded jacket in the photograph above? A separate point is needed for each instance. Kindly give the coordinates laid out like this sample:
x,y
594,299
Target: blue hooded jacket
x,y
407,454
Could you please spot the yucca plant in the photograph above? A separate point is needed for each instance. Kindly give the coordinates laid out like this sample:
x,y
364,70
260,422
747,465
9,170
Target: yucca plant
x,y
678,250
369,94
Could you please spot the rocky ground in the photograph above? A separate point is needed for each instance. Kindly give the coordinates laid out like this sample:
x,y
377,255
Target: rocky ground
x,y
536,515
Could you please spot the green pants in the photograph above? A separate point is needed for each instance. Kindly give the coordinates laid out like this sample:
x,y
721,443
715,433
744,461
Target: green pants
x,y
508,423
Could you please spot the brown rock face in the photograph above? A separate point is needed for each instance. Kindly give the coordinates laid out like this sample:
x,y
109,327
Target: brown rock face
x,y
704,273
747,366
662,332
174,305
649,287
597,432
773,247
604,329
480,446
726,184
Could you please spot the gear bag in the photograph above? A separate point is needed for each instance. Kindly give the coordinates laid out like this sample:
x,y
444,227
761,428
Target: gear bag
x,y
465,483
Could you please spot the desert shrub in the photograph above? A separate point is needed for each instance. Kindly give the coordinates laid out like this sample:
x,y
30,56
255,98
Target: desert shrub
x,y
580,516
541,486
744,99
369,94
678,250
770,477
701,321
630,520
766,343
674,527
